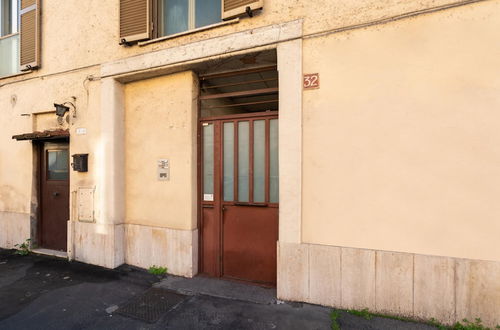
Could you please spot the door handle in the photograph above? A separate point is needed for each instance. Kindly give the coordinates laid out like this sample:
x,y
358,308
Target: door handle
x,y
55,194
251,204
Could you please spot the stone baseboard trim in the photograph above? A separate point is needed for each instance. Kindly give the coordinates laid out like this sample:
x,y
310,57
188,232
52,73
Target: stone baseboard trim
x,y
403,284
15,228
96,244
177,250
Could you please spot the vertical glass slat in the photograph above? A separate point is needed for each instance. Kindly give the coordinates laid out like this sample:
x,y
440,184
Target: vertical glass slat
x,y
228,162
259,161
243,161
208,162
273,168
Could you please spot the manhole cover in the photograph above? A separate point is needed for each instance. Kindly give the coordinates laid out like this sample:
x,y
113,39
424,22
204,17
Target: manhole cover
x,y
151,305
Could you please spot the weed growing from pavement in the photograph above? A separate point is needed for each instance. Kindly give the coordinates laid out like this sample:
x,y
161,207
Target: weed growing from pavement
x,y
466,325
367,315
23,249
157,270
364,313
334,316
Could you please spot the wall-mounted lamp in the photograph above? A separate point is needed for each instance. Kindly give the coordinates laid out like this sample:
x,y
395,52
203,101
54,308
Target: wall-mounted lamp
x,y
61,109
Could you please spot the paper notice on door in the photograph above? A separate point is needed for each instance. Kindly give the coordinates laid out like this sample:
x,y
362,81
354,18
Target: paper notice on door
x,y
208,197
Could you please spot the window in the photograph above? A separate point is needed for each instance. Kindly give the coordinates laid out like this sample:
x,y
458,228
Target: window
x,y
175,16
19,36
9,38
146,19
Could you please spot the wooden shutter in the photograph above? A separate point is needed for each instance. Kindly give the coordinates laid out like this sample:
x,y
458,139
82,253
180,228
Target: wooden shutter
x,y
30,34
135,20
234,8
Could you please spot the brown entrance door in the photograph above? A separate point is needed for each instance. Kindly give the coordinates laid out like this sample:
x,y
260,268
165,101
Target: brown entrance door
x,y
54,182
239,200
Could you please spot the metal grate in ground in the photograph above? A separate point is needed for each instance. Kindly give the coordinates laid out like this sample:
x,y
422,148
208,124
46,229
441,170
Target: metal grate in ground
x,y
151,305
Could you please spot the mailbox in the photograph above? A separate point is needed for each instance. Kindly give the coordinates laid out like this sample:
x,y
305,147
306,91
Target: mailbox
x,y
80,162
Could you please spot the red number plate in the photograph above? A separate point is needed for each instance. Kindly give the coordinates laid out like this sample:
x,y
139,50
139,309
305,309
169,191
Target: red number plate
x,y
311,80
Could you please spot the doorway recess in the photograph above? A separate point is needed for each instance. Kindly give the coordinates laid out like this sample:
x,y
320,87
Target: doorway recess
x,y
238,174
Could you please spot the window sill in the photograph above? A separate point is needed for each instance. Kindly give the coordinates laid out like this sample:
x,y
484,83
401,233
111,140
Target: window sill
x,y
22,73
7,36
180,34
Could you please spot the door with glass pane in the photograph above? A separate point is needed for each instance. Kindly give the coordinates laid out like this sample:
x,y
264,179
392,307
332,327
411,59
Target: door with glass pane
x,y
54,179
240,197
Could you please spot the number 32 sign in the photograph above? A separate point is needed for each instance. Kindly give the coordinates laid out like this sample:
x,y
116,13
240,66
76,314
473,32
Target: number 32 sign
x,y
311,81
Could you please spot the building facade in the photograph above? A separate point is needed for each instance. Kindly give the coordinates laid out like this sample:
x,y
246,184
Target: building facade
x,y
346,152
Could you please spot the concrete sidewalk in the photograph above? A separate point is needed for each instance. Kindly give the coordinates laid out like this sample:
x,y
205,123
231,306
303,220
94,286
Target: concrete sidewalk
x,y
39,292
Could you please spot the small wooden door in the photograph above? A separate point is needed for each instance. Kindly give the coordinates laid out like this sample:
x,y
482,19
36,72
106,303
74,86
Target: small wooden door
x,y
54,189
239,197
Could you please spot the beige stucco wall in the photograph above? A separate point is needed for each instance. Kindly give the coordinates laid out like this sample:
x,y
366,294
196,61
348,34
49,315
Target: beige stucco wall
x,y
398,151
98,22
160,123
23,108
401,142
91,27
435,178
410,198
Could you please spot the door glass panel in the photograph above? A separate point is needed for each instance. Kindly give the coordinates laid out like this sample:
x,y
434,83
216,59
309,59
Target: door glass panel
x,y
228,161
57,165
243,161
273,155
259,161
208,162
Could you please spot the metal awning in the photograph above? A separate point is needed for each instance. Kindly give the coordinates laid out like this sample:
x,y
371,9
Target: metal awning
x,y
45,135
242,91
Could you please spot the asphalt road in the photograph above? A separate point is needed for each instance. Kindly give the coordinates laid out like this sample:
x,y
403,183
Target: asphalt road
x,y
38,292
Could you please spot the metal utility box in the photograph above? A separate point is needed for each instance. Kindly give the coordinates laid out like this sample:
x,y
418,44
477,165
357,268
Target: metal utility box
x,y
80,162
